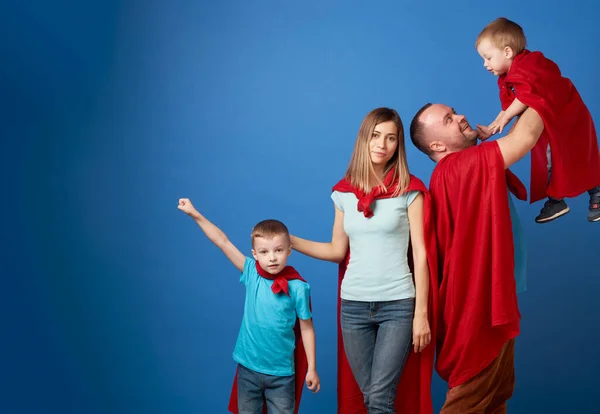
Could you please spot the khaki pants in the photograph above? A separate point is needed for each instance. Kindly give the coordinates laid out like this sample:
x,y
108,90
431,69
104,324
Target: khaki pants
x,y
488,391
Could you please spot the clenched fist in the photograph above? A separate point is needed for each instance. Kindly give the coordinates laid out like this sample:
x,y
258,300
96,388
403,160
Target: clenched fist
x,y
187,207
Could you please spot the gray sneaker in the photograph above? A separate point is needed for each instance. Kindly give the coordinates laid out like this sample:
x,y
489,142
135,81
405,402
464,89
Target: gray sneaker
x,y
594,214
552,210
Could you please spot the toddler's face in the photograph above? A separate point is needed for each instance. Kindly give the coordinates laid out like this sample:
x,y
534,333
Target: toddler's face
x,y
495,60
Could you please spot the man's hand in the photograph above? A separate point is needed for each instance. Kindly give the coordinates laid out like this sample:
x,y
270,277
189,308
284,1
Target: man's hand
x,y
421,332
312,381
187,207
499,123
483,131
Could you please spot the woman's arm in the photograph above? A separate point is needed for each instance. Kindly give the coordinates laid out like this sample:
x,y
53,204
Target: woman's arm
x,y
421,330
335,251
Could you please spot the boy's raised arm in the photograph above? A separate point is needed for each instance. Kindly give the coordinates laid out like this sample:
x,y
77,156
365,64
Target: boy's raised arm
x,y
214,233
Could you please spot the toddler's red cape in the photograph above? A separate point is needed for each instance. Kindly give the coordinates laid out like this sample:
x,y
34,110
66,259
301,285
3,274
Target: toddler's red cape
x,y
414,388
568,127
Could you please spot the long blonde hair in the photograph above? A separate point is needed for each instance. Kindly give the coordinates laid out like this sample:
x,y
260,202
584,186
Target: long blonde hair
x,y
360,171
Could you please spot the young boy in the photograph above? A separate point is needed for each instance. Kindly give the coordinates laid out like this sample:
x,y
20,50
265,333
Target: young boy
x,y
566,160
276,296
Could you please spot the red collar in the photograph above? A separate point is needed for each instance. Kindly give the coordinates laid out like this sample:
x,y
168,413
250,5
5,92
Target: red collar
x,y
280,280
366,199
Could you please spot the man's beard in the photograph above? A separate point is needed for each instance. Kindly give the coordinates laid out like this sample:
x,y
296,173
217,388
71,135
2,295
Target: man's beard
x,y
470,140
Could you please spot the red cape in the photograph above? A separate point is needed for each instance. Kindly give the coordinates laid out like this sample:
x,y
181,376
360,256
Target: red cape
x,y
414,388
477,297
568,127
300,364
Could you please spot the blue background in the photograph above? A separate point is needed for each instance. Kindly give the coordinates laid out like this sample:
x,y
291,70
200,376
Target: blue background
x,y
113,301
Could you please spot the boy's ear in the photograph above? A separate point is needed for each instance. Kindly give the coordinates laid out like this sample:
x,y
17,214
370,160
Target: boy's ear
x,y
508,52
254,254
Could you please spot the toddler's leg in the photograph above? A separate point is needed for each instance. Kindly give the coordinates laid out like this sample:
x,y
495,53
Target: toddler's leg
x,y
594,213
552,208
250,391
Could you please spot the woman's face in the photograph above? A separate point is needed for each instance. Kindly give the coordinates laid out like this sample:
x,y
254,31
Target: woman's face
x,y
383,143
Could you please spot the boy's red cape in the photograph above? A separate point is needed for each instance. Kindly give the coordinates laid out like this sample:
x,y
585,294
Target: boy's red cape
x,y
414,388
568,127
300,361
477,297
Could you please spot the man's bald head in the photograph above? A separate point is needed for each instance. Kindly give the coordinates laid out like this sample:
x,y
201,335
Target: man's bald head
x,y
417,131
436,130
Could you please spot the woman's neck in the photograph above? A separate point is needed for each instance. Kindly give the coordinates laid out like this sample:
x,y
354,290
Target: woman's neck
x,y
377,178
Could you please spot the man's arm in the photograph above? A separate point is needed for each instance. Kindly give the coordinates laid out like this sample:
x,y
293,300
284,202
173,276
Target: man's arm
x,y
214,233
522,138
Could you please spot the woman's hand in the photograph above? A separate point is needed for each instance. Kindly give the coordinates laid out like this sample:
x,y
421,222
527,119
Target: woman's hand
x,y
421,332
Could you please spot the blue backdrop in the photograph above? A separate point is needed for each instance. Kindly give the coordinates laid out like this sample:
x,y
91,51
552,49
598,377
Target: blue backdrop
x,y
113,300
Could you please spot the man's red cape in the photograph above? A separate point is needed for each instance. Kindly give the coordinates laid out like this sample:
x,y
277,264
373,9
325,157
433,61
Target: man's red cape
x,y
414,388
568,127
477,296
300,364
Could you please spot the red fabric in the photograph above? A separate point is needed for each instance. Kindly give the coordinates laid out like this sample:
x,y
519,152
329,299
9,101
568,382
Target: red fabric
x,y
477,297
568,127
300,361
280,280
365,199
414,388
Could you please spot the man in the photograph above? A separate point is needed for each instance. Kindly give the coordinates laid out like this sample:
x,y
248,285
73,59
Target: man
x,y
478,241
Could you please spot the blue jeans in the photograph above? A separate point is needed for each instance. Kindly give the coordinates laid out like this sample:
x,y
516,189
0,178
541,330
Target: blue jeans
x,y
254,388
377,339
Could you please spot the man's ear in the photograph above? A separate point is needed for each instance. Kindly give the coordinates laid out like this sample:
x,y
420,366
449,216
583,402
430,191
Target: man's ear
x,y
437,146
508,52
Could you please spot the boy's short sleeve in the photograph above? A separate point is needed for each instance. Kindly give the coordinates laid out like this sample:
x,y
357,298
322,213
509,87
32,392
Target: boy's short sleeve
x,y
249,268
302,299
335,196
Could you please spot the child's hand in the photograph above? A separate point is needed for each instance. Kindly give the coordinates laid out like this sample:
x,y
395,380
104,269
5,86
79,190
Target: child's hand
x,y
187,207
312,381
483,131
499,123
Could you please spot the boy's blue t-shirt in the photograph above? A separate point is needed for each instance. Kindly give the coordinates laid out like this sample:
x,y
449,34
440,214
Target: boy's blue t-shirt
x,y
266,340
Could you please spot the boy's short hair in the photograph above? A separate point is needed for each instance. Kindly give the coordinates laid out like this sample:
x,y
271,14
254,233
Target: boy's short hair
x,y
503,32
268,229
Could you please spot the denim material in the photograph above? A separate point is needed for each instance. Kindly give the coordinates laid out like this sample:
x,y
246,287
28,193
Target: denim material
x,y
377,339
255,388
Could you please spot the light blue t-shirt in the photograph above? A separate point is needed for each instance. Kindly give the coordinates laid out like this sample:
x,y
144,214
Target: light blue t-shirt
x,y
520,250
378,268
266,340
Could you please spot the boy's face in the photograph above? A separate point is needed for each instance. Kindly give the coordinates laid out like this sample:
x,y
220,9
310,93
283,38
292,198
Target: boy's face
x,y
272,253
495,60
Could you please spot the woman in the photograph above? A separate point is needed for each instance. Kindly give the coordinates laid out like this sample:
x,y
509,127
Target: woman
x,y
386,310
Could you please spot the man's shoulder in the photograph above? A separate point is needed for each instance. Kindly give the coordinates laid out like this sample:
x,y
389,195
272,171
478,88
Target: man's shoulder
x,y
463,162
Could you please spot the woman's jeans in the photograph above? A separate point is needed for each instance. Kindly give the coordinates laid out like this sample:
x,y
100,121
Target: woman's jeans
x,y
377,339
